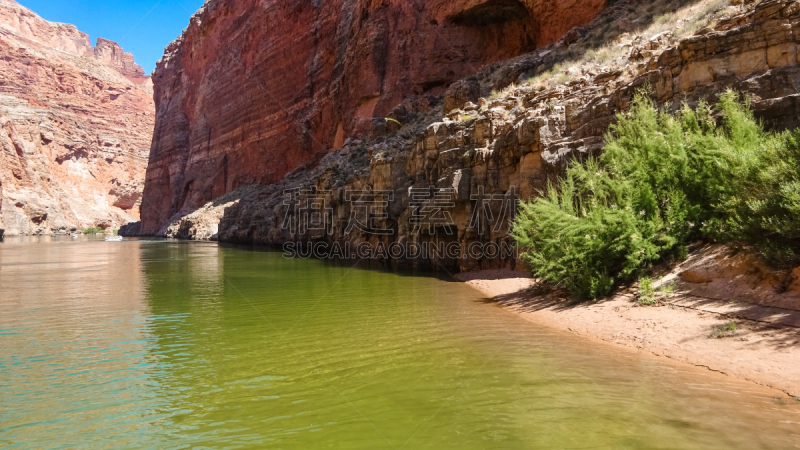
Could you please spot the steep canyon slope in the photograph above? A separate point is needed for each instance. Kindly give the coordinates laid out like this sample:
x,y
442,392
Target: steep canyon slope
x,y
486,154
255,89
75,127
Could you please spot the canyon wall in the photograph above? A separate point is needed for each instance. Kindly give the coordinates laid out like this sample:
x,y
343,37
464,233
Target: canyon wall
x,y
478,159
257,88
75,127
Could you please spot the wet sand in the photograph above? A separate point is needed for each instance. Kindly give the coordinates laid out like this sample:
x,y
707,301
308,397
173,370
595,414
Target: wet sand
x,y
765,347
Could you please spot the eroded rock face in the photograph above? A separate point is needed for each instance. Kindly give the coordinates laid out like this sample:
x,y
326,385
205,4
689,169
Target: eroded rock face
x,y
460,93
257,88
513,145
112,55
75,127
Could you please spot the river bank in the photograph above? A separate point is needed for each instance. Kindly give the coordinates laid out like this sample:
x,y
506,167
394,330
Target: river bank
x,y
687,328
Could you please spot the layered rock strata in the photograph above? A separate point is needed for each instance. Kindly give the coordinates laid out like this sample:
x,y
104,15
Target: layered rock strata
x,y
75,127
482,156
255,89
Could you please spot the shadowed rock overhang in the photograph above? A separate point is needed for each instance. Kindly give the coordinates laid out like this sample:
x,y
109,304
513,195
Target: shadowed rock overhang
x,y
490,12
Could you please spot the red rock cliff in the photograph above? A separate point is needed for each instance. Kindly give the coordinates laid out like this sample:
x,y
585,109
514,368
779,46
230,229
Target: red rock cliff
x,y
112,55
75,127
257,88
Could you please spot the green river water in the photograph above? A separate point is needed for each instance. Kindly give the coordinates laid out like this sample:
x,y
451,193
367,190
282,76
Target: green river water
x,y
155,344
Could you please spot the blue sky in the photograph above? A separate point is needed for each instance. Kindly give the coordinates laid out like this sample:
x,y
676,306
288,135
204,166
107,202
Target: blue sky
x,y
142,27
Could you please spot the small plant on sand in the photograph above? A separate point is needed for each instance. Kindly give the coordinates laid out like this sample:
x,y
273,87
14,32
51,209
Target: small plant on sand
x,y
650,295
725,330
647,291
668,289
781,400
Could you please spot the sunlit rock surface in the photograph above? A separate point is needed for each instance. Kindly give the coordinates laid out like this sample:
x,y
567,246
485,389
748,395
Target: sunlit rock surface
x,y
257,88
75,127
484,155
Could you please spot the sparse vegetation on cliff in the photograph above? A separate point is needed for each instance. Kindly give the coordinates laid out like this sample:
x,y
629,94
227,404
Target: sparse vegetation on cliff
x,y
664,180
608,42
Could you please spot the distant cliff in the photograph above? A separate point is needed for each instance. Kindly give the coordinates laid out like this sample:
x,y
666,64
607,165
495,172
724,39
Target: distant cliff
x,y
75,127
257,88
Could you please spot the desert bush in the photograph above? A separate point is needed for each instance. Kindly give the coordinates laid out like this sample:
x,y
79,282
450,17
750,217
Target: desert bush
x,y
763,207
649,295
647,291
663,180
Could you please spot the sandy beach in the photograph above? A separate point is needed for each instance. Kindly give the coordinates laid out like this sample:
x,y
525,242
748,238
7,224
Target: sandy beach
x,y
763,348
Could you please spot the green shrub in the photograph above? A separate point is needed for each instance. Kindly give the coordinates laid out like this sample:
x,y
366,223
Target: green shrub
x,y
763,207
649,295
662,181
647,292
92,230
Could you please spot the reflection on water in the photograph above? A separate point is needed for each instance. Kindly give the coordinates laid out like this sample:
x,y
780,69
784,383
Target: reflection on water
x,y
170,344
